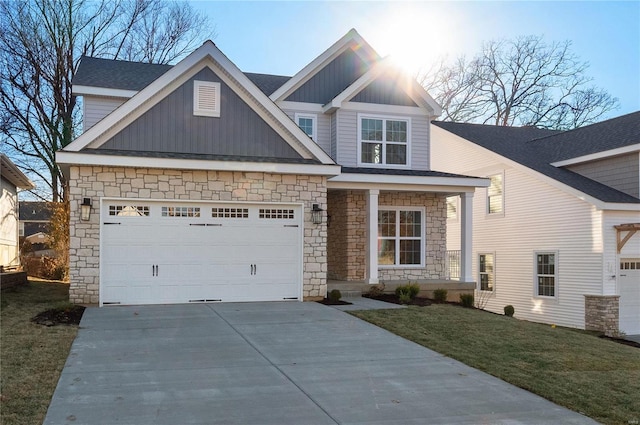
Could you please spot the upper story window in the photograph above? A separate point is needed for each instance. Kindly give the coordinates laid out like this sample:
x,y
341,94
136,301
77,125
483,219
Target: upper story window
x,y
495,195
383,141
308,124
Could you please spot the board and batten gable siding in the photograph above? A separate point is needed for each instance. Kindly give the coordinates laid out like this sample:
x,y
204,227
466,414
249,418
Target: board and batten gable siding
x,y
170,126
620,172
96,108
347,137
331,80
384,90
537,217
323,127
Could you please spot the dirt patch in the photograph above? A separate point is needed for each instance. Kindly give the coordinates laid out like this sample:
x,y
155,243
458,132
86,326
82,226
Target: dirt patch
x,y
60,316
329,302
392,298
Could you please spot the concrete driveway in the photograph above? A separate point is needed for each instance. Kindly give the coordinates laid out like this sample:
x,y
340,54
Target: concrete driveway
x,y
272,363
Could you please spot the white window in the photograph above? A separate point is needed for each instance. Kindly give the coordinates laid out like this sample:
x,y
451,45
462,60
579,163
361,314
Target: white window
x,y
546,269
384,141
401,236
452,207
180,212
495,194
206,98
308,124
486,272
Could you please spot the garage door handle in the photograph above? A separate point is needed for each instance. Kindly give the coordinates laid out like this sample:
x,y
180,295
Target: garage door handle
x,y
109,223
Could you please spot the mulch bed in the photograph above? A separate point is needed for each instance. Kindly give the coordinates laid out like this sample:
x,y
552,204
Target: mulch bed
x,y
392,298
329,302
621,341
60,316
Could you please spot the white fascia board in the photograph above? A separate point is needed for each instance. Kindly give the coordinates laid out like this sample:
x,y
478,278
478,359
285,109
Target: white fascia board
x,y
598,155
11,172
300,106
399,182
385,109
598,204
102,91
78,158
349,39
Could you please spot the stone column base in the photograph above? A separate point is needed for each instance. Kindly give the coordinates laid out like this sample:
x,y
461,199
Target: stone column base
x,y
602,313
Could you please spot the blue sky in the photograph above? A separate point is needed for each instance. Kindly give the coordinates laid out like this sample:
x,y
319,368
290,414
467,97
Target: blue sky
x,y
282,37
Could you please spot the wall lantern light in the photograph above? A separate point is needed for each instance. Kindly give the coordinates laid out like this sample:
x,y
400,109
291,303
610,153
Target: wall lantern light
x,y
316,214
85,209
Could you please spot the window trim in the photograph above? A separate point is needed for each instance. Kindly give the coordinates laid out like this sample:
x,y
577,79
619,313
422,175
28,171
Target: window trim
x,y
314,120
492,274
384,118
556,286
397,239
487,200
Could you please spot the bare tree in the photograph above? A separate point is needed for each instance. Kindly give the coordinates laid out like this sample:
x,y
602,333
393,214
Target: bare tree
x,y
519,82
41,43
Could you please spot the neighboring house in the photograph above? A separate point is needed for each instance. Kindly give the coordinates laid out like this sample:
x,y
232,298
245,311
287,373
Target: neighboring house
x,y
11,180
203,183
556,234
35,217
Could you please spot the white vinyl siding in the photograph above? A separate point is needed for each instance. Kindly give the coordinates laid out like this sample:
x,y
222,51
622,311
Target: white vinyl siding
x,y
541,218
323,127
96,108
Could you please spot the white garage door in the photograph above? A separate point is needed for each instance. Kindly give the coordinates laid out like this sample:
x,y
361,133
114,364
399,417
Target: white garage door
x,y
629,286
168,252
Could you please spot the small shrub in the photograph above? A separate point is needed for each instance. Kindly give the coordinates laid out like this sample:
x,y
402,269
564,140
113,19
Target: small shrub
x,y
335,295
411,290
404,298
509,310
466,300
440,295
376,290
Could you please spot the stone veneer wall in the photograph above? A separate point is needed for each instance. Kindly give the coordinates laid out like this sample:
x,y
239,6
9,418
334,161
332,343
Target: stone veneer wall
x,y
120,182
602,313
347,235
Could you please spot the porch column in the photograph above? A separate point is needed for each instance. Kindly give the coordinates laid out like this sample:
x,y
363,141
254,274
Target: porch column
x,y
371,275
466,236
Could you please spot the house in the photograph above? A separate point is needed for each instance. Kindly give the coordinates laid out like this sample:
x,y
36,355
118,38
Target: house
x,y
198,182
556,233
35,217
11,180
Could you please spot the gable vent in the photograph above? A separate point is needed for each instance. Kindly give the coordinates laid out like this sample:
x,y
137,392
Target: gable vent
x,y
206,99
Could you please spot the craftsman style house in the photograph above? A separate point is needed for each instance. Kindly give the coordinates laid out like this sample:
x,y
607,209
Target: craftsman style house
x,y
198,182
556,233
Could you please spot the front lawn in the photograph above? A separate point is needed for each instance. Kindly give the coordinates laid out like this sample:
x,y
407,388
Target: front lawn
x,y
32,355
572,368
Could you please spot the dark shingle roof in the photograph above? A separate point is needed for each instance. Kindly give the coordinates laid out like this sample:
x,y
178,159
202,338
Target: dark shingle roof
x,y
530,147
204,157
34,210
124,75
116,74
394,172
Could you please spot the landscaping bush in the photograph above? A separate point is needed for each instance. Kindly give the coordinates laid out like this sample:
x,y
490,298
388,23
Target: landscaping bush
x,y
440,295
335,295
376,290
410,290
466,300
404,298
509,310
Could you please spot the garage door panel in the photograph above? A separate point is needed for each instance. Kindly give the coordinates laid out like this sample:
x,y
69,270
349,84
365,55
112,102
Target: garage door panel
x,y
234,256
629,291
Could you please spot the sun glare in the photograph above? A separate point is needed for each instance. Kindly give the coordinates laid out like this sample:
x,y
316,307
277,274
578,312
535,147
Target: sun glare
x,y
412,36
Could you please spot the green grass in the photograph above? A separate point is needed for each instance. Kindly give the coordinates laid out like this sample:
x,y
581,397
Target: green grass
x,y
31,356
572,368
